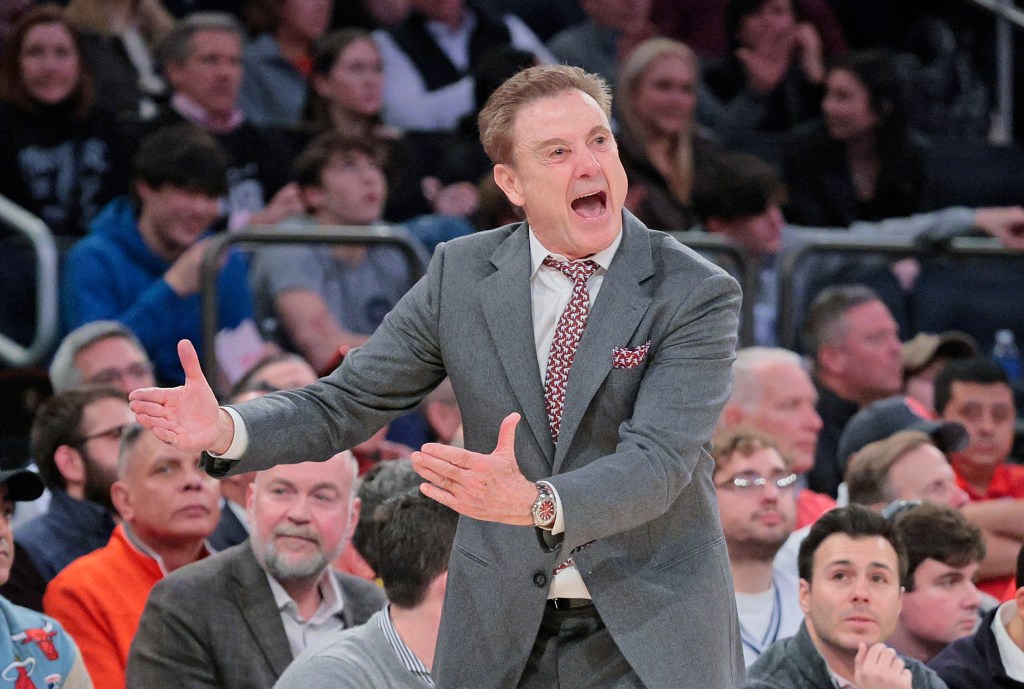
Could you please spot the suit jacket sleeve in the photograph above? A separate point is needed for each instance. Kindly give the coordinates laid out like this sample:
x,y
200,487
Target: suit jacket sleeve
x,y
382,380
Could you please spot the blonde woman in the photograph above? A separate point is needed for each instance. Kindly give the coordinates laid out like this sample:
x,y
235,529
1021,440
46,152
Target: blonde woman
x,y
660,144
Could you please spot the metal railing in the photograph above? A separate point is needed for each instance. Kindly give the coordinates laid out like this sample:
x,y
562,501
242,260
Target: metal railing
x,y
733,260
288,234
815,244
1006,16
46,260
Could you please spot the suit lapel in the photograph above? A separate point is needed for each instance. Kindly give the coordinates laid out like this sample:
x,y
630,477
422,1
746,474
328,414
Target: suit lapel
x,y
256,602
505,296
613,318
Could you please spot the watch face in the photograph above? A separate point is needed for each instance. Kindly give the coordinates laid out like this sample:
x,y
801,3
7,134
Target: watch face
x,y
545,511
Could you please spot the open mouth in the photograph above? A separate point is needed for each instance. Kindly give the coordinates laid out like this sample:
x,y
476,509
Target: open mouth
x,y
590,205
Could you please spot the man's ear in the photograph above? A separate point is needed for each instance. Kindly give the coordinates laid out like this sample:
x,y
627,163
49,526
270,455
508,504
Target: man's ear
x,y
143,191
831,358
311,197
732,415
122,499
805,596
174,74
70,464
507,179
715,225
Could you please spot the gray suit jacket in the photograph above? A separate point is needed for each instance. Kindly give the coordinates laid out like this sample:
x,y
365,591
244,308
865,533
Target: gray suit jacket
x,y
630,466
215,624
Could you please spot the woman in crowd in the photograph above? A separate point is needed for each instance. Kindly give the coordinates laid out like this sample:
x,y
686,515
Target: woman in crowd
x,y
774,64
61,158
660,145
119,39
346,96
860,160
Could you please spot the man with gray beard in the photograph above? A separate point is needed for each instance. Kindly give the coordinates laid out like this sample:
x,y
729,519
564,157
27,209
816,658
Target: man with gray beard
x,y
239,618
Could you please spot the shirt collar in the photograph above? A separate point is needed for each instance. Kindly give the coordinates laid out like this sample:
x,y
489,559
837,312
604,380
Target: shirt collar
x,y
332,602
137,543
197,114
1010,653
404,653
538,253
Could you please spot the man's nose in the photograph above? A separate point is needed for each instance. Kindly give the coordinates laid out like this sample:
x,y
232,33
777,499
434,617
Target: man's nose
x,y
587,165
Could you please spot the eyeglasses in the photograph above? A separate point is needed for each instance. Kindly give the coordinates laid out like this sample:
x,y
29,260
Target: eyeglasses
x,y
109,434
749,483
108,376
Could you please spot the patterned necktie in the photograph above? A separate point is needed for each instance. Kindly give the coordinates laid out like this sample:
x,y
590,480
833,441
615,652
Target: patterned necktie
x,y
567,337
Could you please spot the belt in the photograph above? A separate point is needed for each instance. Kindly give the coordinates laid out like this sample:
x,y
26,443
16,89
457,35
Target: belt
x,y
569,603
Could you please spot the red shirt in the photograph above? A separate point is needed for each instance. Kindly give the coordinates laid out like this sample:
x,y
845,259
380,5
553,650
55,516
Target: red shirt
x,y
810,506
1007,482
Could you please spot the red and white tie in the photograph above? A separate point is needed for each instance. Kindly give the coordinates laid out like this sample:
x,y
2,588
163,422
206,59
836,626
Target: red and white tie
x,y
567,337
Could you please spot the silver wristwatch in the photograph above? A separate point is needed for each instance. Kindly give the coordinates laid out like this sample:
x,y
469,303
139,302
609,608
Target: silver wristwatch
x,y
544,508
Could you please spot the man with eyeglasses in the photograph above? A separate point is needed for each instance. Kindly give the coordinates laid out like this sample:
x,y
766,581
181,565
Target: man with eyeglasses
x,y
75,438
102,352
757,504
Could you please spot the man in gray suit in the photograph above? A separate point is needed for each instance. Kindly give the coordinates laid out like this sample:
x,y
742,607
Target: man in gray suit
x,y
240,618
589,552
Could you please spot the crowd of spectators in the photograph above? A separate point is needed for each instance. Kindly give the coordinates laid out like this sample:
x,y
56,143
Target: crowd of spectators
x,y
139,131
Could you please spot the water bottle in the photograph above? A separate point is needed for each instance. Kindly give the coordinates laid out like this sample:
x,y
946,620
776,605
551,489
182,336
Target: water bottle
x,y
1006,354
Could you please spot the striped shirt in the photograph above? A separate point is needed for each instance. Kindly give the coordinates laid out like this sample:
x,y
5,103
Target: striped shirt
x,y
408,658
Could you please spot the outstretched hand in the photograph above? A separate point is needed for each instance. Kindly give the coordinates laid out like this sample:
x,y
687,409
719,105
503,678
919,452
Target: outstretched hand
x,y
188,416
487,487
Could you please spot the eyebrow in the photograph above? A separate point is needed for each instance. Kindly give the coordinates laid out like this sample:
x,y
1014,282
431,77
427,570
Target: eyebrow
x,y
849,563
559,140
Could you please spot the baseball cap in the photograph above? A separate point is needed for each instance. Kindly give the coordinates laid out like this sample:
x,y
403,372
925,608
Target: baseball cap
x,y
881,419
922,349
23,485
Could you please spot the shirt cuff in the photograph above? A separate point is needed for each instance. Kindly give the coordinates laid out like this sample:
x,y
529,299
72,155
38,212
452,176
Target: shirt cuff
x,y
240,440
559,525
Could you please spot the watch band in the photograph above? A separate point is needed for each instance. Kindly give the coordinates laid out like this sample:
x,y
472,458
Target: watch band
x,y
544,508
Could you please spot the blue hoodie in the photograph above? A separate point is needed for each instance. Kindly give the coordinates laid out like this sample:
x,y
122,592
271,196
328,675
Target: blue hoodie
x,y
112,274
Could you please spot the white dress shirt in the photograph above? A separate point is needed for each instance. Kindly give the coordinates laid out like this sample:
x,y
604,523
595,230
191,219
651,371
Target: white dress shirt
x,y
326,620
1009,652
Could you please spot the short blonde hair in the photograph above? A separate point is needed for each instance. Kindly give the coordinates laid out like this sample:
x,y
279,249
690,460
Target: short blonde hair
x,y
498,118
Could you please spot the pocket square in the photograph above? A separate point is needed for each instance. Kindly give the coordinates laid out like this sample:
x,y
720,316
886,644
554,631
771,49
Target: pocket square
x,y
624,357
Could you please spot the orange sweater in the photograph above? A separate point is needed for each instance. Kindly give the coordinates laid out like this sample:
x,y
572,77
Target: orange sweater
x,y
99,599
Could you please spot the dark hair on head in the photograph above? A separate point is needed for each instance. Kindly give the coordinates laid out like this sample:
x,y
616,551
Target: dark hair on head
x,y
856,522
497,119
825,316
496,66
736,186
939,533
414,541
737,10
876,71
309,165
975,369
12,83
59,422
326,51
382,482
185,157
177,45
